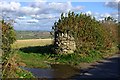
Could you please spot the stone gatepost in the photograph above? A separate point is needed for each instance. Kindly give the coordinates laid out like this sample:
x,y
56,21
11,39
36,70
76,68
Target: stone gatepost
x,y
64,43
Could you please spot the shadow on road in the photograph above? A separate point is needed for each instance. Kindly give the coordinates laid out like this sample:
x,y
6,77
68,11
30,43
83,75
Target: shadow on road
x,y
108,69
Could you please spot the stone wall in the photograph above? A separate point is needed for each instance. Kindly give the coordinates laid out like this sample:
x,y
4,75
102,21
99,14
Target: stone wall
x,y
64,43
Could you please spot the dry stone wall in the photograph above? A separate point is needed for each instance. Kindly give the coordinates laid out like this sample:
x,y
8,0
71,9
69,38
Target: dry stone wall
x,y
64,43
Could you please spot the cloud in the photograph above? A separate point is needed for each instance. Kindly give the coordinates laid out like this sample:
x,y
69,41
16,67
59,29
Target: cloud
x,y
26,20
55,7
38,7
78,8
39,11
38,3
60,7
22,17
32,21
89,12
101,16
9,6
42,25
105,15
40,0
28,10
44,16
114,4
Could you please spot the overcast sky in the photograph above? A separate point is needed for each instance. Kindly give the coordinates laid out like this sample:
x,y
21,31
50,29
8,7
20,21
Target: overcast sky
x,y
41,14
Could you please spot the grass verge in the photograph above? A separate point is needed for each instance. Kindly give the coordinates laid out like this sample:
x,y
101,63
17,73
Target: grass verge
x,y
43,59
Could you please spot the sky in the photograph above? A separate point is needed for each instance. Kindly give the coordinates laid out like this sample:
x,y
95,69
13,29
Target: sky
x,y
41,14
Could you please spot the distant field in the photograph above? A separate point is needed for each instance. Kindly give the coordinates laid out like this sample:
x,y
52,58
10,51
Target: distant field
x,y
33,35
31,42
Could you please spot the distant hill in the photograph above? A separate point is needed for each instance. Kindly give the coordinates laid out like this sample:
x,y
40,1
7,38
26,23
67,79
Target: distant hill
x,y
33,34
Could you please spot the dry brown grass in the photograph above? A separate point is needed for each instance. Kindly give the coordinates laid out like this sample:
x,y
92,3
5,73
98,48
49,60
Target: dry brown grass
x,y
31,42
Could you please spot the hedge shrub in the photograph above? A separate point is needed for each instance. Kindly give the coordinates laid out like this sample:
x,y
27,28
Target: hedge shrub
x,y
89,33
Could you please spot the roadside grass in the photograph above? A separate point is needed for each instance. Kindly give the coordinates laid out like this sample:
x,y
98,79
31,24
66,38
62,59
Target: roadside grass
x,y
43,60
23,73
34,60
12,70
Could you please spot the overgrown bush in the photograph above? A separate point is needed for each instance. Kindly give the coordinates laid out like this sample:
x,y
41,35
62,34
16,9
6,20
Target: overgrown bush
x,y
8,38
111,26
89,33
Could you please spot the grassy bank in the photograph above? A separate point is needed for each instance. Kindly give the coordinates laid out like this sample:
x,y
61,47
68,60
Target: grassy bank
x,y
40,56
39,60
33,60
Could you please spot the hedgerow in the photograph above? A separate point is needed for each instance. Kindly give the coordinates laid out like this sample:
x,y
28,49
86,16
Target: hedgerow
x,y
89,33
